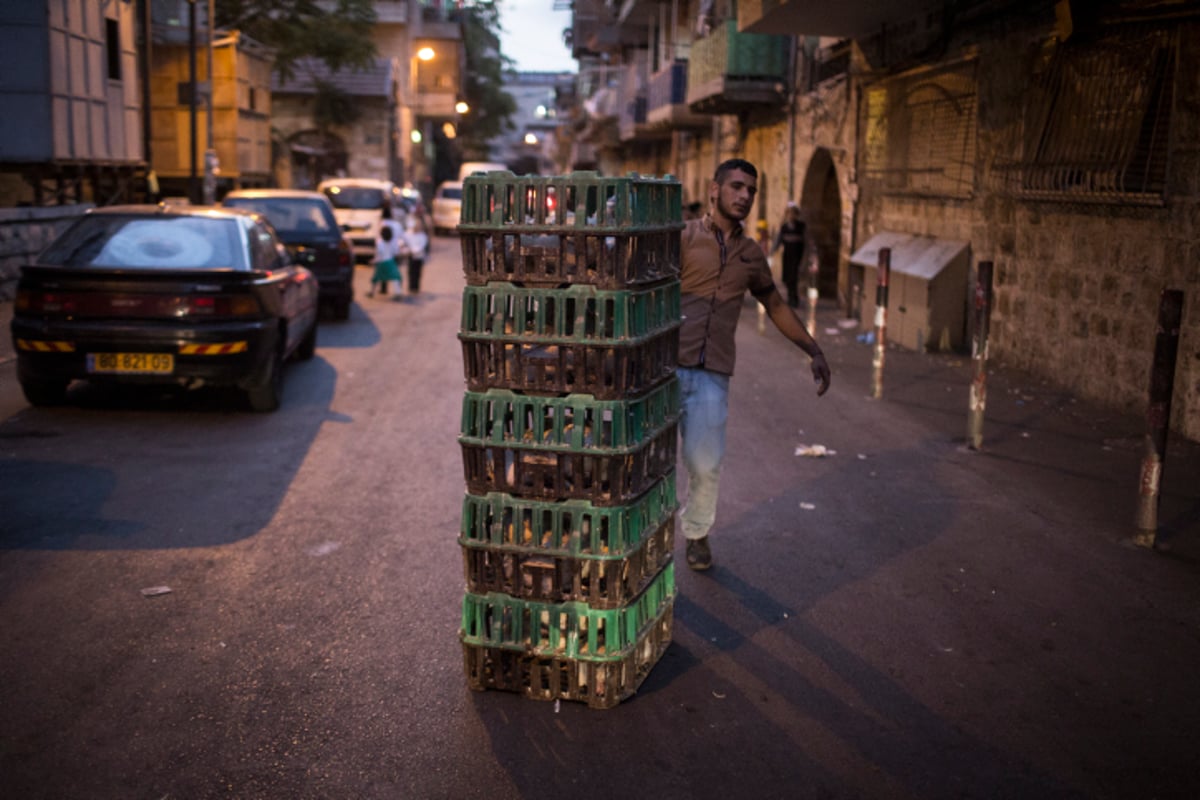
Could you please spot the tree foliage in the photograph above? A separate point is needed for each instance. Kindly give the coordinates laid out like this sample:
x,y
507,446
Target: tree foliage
x,y
337,32
483,83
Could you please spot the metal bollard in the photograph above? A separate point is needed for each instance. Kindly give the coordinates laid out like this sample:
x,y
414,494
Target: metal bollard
x,y
881,301
813,295
1158,413
979,347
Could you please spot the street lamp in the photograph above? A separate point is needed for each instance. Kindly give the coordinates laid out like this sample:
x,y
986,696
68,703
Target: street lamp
x,y
416,137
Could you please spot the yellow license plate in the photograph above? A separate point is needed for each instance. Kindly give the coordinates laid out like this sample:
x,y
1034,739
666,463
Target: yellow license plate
x,y
131,363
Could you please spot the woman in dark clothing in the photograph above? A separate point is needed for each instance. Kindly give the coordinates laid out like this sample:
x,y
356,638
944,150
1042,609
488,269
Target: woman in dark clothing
x,y
792,237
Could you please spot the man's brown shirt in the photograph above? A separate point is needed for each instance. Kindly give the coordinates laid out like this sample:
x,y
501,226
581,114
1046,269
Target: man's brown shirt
x,y
713,282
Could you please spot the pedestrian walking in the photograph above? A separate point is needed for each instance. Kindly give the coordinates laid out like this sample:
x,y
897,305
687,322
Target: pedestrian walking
x,y
386,269
417,239
793,238
719,263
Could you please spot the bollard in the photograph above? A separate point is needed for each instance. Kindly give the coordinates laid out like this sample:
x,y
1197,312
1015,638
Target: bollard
x,y
813,269
764,241
979,346
1158,413
881,301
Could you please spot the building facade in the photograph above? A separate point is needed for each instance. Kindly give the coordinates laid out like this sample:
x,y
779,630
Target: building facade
x,y
1056,140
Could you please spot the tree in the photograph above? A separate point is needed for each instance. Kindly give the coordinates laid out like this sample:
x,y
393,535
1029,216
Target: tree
x,y
336,32
483,83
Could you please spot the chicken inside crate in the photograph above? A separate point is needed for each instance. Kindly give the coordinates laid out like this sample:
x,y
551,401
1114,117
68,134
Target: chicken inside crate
x,y
567,650
600,684
570,550
613,261
604,371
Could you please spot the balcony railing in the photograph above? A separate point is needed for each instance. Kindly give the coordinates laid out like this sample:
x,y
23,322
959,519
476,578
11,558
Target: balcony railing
x,y
666,105
730,72
631,118
632,121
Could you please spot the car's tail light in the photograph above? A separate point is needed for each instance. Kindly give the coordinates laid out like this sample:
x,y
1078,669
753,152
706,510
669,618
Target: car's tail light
x,y
345,254
136,305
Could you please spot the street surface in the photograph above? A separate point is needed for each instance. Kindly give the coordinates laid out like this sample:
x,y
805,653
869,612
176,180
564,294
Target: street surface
x,y
901,618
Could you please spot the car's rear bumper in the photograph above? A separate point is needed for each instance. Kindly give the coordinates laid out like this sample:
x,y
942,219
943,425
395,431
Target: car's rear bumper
x,y
336,286
221,353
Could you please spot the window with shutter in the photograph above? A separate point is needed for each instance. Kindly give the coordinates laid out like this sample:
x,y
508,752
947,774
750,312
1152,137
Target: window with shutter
x,y
1097,121
919,133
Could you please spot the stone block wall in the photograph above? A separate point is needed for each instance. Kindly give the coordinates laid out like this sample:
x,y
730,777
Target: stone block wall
x,y
1077,285
24,232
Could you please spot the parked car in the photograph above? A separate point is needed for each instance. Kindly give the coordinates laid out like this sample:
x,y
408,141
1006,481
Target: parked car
x,y
185,295
358,205
306,223
468,168
447,206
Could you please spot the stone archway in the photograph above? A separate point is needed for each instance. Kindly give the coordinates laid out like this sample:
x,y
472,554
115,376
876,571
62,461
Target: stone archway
x,y
315,156
821,200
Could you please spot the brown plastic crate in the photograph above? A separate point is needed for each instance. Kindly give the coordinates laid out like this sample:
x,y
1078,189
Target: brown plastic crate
x,y
604,479
600,684
613,261
605,371
600,582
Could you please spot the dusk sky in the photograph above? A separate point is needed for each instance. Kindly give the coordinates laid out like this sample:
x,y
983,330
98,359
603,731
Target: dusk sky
x,y
532,35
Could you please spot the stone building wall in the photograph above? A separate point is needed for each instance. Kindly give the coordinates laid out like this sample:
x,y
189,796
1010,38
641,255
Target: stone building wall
x,y
1077,285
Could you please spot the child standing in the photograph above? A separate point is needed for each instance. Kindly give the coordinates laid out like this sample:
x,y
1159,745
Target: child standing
x,y
385,261
418,246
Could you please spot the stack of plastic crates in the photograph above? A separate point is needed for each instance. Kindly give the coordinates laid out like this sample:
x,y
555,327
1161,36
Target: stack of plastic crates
x,y
570,327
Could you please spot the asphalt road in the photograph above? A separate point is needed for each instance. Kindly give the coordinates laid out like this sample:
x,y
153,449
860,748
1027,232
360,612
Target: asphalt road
x,y
902,618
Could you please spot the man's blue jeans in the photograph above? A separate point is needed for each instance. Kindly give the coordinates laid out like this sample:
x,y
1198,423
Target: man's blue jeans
x,y
704,399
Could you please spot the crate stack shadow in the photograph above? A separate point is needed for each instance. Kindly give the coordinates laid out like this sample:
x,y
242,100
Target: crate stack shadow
x,y
570,328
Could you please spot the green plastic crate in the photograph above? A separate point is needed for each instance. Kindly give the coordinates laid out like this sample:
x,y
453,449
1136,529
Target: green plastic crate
x,y
576,423
574,629
600,684
607,261
574,528
605,479
604,370
564,316
527,574
579,201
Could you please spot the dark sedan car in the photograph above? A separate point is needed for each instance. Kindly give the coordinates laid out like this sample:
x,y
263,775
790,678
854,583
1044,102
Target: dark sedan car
x,y
306,223
163,294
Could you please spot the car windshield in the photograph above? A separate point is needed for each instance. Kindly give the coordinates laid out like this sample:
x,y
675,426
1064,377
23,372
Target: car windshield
x,y
357,197
452,192
140,242
290,216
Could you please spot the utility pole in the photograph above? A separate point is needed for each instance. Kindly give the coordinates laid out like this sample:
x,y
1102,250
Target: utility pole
x,y
210,153
193,193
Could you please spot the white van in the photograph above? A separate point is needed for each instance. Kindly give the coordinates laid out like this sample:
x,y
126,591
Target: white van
x,y
358,205
469,167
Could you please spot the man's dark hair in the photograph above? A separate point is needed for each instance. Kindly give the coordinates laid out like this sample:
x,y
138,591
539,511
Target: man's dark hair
x,y
385,233
729,165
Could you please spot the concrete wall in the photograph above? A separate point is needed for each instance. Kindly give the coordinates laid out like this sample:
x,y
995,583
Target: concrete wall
x,y
24,232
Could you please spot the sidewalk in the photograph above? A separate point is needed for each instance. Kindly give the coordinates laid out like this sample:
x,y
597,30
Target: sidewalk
x,y
1031,424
